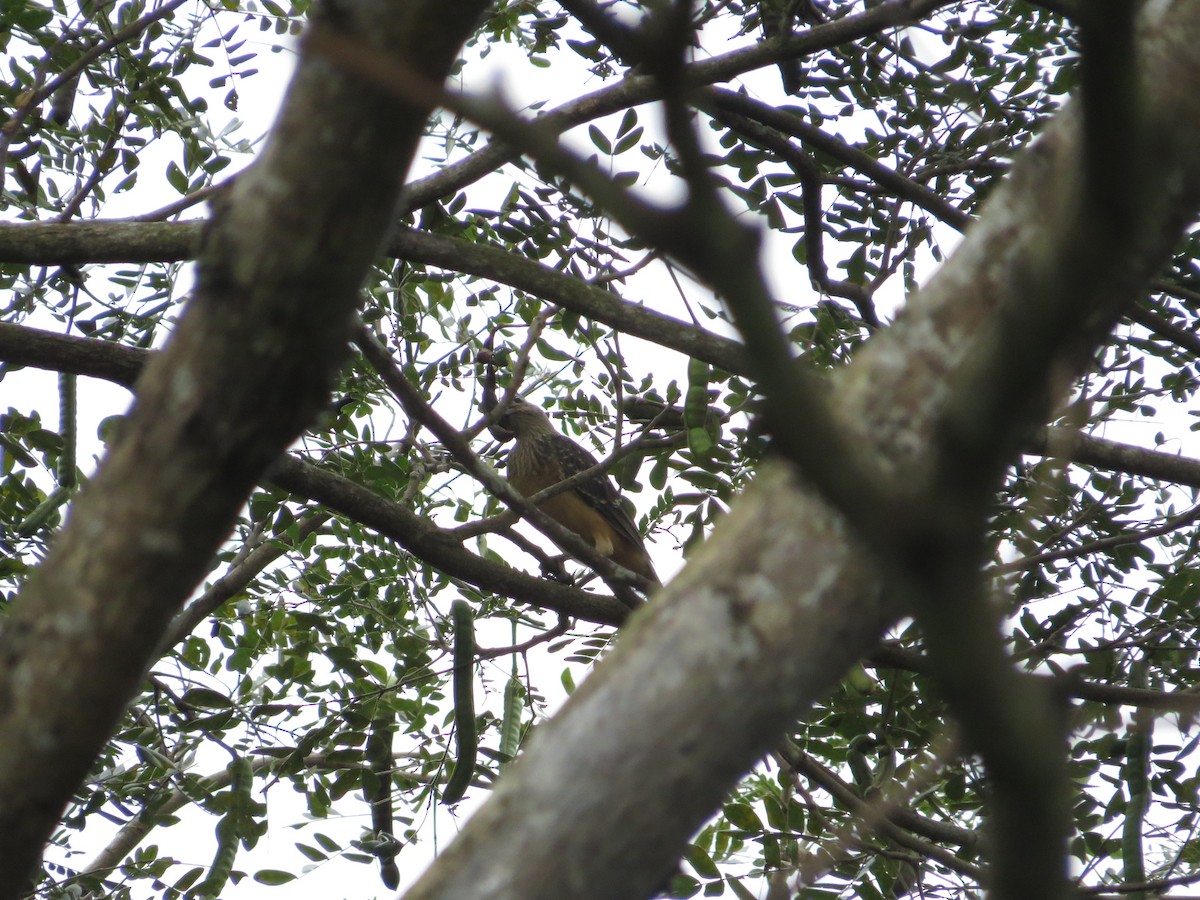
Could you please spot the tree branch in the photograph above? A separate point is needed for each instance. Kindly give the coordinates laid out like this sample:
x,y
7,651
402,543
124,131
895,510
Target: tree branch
x,y
714,672
889,816
892,656
722,99
614,575
133,832
439,548
235,580
1133,536
250,364
138,242
635,90
811,181
23,346
442,549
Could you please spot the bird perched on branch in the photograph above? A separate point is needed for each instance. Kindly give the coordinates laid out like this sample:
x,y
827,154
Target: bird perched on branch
x,y
542,457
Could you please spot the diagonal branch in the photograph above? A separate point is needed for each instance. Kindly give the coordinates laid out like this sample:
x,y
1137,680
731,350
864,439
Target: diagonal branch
x,y
437,547
635,90
613,574
1134,536
251,363
889,816
781,595
788,123
811,182
717,247
235,580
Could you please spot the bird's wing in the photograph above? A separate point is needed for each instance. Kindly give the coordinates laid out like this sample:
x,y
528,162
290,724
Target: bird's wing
x,y
598,490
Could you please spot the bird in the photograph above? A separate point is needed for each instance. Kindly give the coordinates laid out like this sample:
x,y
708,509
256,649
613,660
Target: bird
x,y
541,457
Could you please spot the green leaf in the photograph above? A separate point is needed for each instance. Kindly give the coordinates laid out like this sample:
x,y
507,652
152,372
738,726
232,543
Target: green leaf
x,y
29,17
628,120
327,843
699,860
743,816
311,852
599,140
205,698
176,178
273,877
628,142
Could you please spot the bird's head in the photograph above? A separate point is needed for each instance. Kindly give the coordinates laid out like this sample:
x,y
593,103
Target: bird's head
x,y
521,418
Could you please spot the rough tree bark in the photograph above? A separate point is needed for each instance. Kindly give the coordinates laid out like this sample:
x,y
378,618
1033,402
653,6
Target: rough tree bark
x,y
250,365
763,620
782,598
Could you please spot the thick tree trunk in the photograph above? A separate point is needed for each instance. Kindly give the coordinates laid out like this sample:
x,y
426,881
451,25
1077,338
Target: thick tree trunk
x,y
248,368
782,599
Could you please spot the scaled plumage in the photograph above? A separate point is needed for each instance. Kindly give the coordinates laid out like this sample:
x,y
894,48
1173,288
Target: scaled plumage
x,y
542,457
